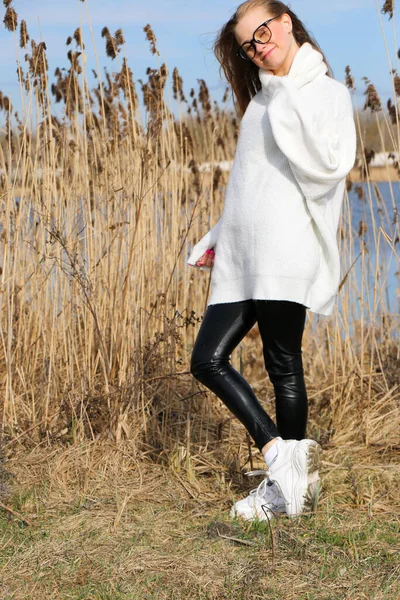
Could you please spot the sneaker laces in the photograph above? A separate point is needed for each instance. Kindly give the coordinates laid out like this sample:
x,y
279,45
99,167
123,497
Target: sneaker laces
x,y
266,490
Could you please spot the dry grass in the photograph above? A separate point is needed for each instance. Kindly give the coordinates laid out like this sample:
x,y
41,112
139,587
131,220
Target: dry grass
x,y
124,466
99,309
105,522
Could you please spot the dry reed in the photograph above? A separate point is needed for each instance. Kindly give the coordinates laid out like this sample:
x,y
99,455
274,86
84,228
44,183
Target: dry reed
x,y
124,466
98,308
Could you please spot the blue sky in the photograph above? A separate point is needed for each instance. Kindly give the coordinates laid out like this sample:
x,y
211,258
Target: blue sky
x,y
348,31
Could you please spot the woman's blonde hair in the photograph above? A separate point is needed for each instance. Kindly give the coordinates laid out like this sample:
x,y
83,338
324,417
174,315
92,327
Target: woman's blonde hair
x,y
243,75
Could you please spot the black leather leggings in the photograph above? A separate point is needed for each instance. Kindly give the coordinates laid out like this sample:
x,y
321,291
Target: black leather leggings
x,y
281,325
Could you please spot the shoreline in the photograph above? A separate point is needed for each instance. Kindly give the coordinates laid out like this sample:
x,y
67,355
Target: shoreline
x,y
376,175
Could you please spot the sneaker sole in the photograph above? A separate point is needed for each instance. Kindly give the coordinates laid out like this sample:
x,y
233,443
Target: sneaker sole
x,y
261,516
312,496
306,489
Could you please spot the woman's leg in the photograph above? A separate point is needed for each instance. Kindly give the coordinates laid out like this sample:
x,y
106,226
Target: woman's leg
x,y
281,324
223,327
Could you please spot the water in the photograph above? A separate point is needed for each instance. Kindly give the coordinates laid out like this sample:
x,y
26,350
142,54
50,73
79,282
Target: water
x,y
378,212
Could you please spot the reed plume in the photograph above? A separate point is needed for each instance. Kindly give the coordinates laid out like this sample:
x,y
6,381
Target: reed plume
x,y
124,80
392,111
113,42
11,19
349,78
204,97
360,191
396,82
373,100
24,35
388,8
5,103
362,229
78,38
153,97
119,37
111,47
151,38
369,154
184,136
67,88
177,86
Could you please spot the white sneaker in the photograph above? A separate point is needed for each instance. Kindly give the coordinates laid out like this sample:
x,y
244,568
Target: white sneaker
x,y
262,502
294,471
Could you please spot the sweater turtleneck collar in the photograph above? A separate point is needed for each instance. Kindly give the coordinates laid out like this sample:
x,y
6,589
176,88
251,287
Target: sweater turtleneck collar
x,y
307,64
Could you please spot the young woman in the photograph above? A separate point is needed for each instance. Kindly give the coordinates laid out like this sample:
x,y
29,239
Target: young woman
x,y
274,252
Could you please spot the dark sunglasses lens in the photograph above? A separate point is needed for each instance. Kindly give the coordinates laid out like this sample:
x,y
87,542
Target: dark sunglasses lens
x,y
247,51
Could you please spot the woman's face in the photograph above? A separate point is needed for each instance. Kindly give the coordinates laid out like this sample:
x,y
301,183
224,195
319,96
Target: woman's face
x,y
277,55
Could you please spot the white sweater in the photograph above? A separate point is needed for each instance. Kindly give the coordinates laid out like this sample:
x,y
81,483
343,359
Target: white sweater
x,y
277,235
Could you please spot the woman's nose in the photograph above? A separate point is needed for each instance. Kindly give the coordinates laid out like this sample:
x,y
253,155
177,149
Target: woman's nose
x,y
259,47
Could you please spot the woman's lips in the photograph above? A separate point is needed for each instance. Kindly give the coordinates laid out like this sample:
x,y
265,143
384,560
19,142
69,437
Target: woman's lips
x,y
268,53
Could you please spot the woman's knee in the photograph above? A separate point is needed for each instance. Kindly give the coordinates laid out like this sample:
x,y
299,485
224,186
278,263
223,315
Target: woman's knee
x,y
201,363
281,363
198,362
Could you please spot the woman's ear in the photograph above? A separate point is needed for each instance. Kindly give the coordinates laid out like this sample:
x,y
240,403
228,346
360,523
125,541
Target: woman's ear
x,y
287,22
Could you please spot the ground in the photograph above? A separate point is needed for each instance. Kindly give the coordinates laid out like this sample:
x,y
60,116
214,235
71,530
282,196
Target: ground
x,y
100,521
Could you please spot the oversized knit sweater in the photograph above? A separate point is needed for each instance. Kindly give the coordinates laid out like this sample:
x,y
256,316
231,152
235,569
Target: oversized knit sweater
x,y
277,235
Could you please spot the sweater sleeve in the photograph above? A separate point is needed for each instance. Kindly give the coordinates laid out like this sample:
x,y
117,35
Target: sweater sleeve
x,y
320,145
209,240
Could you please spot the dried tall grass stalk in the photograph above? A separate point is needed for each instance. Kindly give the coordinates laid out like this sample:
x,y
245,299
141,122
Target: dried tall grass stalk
x,y
99,310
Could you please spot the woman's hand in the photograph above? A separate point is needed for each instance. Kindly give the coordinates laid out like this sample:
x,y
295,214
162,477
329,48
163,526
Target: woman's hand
x,y
207,260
